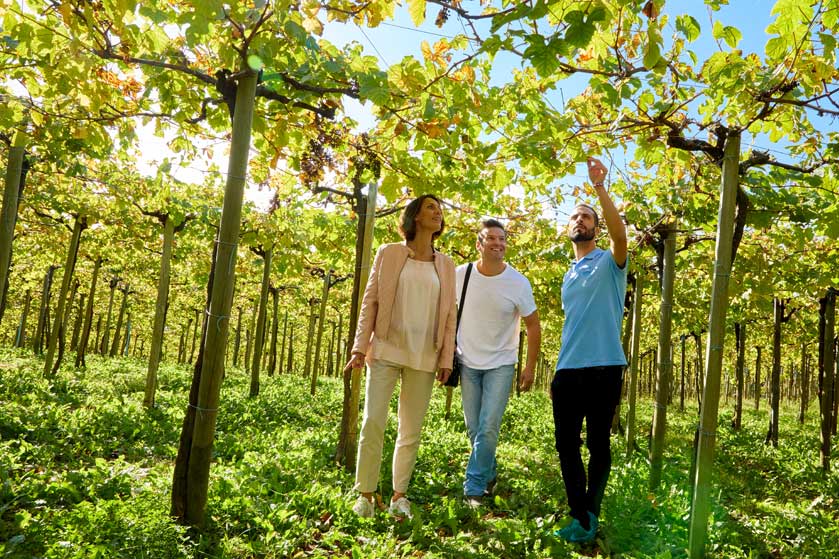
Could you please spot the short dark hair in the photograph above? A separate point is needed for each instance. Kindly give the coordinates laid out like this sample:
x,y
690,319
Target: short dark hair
x,y
491,222
408,224
593,211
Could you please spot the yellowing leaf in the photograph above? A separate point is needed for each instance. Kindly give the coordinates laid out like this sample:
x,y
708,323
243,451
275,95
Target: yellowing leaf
x,y
435,131
585,56
66,11
425,48
465,74
313,25
310,8
417,10
439,53
441,47
20,139
432,129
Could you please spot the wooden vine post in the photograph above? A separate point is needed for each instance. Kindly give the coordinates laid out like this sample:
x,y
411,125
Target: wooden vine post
x,y
160,311
69,266
275,324
310,336
827,393
103,345
8,217
700,503
259,337
123,308
665,355
740,336
81,349
632,391
221,301
348,438
327,278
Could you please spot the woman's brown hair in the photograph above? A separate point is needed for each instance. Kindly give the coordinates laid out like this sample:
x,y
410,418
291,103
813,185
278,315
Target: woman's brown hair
x,y
408,224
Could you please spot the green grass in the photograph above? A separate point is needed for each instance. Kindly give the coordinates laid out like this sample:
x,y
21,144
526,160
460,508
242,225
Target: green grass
x,y
85,471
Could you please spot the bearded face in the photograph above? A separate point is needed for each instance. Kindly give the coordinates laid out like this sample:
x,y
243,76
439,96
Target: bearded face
x,y
582,225
581,234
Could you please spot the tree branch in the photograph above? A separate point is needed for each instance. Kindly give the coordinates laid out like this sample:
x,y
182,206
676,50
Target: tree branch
x,y
319,189
263,17
388,211
109,54
758,158
806,104
266,93
349,91
471,17
676,140
690,241
160,216
50,217
203,114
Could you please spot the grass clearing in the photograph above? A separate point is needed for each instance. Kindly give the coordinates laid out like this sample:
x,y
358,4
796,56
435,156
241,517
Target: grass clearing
x,y
85,471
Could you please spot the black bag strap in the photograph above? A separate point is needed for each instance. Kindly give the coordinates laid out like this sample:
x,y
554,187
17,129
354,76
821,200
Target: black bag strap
x,y
463,296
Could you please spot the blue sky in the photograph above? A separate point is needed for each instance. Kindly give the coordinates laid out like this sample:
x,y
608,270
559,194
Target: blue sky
x,y
395,39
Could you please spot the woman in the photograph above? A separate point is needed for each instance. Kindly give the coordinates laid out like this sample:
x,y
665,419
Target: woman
x,y
405,332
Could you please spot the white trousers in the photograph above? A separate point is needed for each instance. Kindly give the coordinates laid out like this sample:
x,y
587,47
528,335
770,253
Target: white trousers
x,y
414,396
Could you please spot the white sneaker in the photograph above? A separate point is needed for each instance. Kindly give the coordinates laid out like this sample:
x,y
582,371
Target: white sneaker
x,y
401,507
473,501
363,507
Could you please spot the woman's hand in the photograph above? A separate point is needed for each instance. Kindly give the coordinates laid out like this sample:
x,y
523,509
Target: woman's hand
x,y
443,375
355,362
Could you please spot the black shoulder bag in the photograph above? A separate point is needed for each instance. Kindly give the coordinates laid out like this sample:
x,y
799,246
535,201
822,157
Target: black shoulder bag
x,y
454,377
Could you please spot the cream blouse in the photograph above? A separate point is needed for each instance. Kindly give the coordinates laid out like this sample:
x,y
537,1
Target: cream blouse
x,y
410,341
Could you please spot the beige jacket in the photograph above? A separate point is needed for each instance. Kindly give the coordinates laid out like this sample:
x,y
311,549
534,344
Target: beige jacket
x,y
379,296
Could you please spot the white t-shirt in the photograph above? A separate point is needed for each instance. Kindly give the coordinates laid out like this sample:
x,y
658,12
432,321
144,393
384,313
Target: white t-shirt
x,y
410,341
488,336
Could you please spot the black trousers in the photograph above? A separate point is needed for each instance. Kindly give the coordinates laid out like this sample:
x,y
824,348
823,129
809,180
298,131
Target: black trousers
x,y
591,394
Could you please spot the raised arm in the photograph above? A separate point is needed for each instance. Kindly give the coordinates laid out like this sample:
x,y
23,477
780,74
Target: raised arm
x,y
614,224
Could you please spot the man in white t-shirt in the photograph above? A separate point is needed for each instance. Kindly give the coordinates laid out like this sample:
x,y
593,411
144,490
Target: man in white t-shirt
x,y
497,297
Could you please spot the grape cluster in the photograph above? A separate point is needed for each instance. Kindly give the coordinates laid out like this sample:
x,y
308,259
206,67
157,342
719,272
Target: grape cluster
x,y
318,156
442,17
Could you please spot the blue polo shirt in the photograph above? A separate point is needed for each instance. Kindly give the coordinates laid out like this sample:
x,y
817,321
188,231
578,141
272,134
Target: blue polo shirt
x,y
592,297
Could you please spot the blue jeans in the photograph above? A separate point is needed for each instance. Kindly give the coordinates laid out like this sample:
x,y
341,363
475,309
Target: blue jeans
x,y
484,394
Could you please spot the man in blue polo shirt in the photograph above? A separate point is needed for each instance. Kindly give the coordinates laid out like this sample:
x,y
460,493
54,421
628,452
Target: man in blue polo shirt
x,y
589,371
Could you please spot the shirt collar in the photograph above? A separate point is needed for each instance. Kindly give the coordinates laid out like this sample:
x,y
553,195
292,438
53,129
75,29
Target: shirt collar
x,y
591,255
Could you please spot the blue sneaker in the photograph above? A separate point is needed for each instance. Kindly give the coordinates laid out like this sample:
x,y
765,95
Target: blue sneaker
x,y
592,531
575,533
571,533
